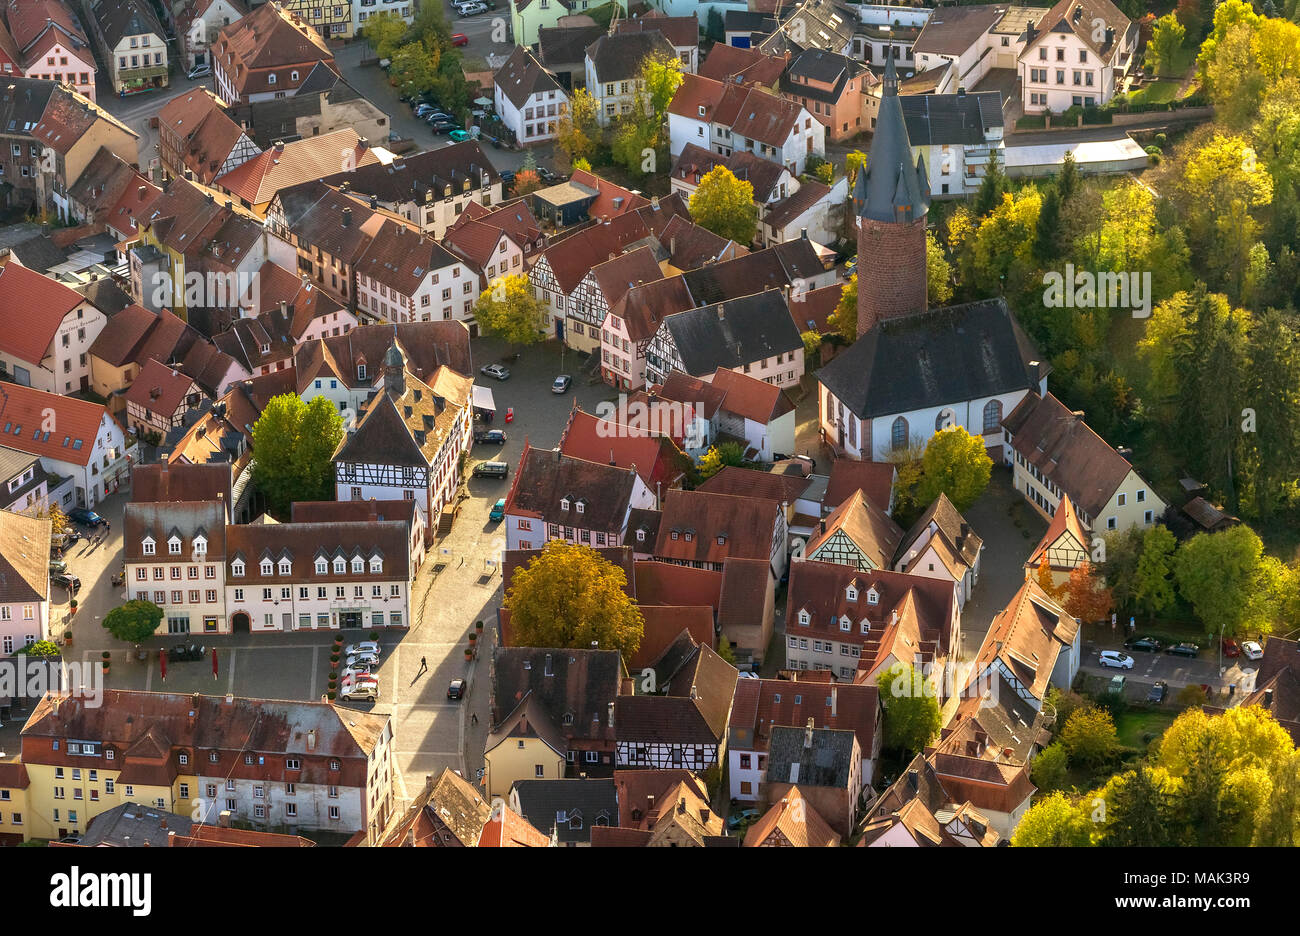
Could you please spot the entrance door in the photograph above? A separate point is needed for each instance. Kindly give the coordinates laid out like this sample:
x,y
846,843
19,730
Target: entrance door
x,y
349,619
240,623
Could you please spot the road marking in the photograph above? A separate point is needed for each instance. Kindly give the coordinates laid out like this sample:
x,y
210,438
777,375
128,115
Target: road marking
x,y
315,662
421,706
230,680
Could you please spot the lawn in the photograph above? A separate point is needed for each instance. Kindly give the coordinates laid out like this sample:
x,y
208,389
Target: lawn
x,y
1158,92
1135,725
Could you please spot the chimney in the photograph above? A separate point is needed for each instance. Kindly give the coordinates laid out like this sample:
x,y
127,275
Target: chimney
x,y
171,839
347,217
803,233
143,191
223,818
961,92
704,816
162,823
913,780
611,714
548,671
722,314
374,202
279,146
284,308
823,522
1268,698
230,698
808,735
835,701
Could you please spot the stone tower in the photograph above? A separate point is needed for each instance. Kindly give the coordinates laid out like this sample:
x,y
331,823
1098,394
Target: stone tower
x,y
890,201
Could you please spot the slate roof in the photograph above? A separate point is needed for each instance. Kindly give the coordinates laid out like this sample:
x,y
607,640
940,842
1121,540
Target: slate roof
x,y
772,268
121,18
523,76
822,24
1064,448
619,57
933,359
733,333
823,67
555,806
951,119
891,187
954,29
410,178
827,762
555,683
566,45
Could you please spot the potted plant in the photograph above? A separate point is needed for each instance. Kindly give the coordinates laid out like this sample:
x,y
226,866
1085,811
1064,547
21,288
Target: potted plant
x,y
473,638
72,606
332,694
478,626
469,654
67,636
374,635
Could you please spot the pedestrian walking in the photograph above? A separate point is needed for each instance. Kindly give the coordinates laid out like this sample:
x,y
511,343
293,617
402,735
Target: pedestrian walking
x,y
473,718
424,665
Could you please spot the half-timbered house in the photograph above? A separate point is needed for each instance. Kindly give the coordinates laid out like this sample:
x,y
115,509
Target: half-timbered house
x,y
857,533
1065,545
1032,645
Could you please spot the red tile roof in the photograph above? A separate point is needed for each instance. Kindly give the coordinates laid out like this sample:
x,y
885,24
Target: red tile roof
x,y
32,307
763,703
662,583
257,180
657,459
751,398
725,62
792,822
78,423
508,829
643,307
603,207
664,624
745,526
874,479
160,389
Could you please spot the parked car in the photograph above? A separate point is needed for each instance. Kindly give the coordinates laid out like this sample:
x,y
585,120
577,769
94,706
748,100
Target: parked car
x,y
736,820
442,126
851,266
562,384
1184,649
422,109
498,511
456,689
1252,650
491,469
86,517
459,39
471,9
360,692
491,437
1231,648
458,136
363,646
1157,693
1114,658
354,673
70,582
550,176
58,565
201,70
1117,684
507,176
1143,643
495,371
187,653
433,115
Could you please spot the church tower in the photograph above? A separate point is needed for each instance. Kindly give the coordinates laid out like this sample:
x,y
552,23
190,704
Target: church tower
x,y
890,201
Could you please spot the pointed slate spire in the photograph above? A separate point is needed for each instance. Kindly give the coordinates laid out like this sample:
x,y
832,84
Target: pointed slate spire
x,y
895,191
395,370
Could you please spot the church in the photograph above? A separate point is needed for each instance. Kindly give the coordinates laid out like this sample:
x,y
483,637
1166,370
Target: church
x,y
915,370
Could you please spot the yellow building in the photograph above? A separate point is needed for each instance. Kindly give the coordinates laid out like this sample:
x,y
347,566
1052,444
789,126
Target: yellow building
x,y
331,18
524,747
14,825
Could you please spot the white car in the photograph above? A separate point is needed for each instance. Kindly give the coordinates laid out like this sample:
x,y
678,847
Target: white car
x,y
1116,659
1252,650
361,671
353,660
364,646
201,70
368,691
470,9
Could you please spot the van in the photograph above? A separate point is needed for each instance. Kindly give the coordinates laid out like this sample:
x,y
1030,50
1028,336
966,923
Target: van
x,y
491,469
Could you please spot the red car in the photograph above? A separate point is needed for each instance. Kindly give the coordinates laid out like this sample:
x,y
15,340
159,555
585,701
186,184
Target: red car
x,y
459,39
1231,648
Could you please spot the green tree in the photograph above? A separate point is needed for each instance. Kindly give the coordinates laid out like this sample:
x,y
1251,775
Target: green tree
x,y
1050,767
134,621
911,708
576,132
1068,180
384,31
508,310
1053,822
718,457
1140,809
293,449
1166,44
1089,736
1004,242
1047,236
571,596
1153,587
812,343
1128,227
414,67
845,317
1217,574
1273,386
725,205
957,464
993,187
45,649
938,272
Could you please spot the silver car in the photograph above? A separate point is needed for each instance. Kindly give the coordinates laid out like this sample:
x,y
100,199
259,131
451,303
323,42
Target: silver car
x,y
1116,659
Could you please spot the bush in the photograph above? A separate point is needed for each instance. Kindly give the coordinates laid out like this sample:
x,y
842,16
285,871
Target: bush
x,y
374,635
1089,736
45,649
1031,122
1049,767
1161,140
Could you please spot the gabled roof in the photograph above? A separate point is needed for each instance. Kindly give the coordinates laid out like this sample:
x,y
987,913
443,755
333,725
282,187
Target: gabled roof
x,y
410,424
764,485
163,482
664,583
507,829
870,529
933,359
1027,637
618,57
695,709
568,808
546,479
733,333
1064,448
30,20
822,24
1081,18
24,410
951,119
268,38
643,307
763,704
448,806
287,164
751,398
565,45
796,821
32,307
634,268
742,66
954,29
962,542
1065,524
699,526
825,756
773,268
159,389
24,558
400,256
121,18
612,199
681,31
656,458
420,176
522,76
691,246
568,690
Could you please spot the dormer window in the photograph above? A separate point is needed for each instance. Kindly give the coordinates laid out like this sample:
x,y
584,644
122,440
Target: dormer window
x,y
174,546
804,618
581,505
322,567
376,565
873,596
148,545
270,79
237,568
851,593
200,545
285,567
722,539
361,372
358,565
340,566
845,623
640,536
689,536
267,567
674,534
564,503
866,627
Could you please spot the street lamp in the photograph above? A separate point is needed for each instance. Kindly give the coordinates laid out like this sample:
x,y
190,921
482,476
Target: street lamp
x,y
1221,650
